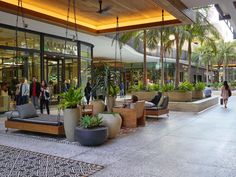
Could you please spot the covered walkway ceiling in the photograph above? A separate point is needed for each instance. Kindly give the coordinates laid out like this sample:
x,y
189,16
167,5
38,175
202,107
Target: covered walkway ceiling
x,y
133,14
227,8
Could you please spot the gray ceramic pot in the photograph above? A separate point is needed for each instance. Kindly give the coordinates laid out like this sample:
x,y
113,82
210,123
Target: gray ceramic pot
x,y
91,137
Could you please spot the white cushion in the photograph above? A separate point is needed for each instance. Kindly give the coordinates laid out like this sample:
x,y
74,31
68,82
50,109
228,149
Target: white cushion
x,y
148,104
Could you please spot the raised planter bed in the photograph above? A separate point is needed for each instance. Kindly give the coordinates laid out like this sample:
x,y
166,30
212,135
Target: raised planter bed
x,y
195,106
180,96
145,95
197,94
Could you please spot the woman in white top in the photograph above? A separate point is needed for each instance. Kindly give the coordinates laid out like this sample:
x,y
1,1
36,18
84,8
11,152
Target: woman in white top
x,y
24,91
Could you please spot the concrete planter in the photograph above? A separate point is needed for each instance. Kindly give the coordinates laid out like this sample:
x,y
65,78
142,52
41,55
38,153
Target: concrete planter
x,y
91,137
98,106
144,95
71,120
180,96
113,122
197,94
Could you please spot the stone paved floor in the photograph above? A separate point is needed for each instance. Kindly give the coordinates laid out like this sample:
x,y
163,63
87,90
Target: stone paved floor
x,y
185,145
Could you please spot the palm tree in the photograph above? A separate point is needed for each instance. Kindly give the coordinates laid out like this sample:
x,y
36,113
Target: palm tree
x,y
201,31
225,52
205,54
136,36
178,41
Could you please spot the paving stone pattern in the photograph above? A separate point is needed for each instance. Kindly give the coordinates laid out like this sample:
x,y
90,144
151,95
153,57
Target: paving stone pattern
x,y
185,145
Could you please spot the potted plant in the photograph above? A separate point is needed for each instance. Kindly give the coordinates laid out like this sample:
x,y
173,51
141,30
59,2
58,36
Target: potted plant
x,y
106,83
91,132
113,121
197,93
69,102
183,93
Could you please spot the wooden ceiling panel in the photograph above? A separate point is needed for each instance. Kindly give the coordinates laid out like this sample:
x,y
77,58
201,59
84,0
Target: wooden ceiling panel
x,y
130,12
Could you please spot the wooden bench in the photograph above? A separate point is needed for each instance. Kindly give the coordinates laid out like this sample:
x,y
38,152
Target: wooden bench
x,y
43,123
35,127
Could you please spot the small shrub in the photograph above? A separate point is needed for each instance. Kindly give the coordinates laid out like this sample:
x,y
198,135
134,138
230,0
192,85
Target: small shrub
x,y
153,87
136,88
90,121
167,87
199,86
185,86
233,84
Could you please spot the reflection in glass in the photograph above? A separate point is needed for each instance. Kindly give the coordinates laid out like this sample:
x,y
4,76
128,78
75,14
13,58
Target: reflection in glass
x,y
8,38
85,51
22,65
58,46
85,71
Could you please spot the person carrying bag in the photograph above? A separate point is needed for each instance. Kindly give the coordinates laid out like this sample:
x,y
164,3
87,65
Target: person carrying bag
x,y
225,94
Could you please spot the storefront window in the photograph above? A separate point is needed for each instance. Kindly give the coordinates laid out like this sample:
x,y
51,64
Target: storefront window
x,y
21,65
85,71
8,38
58,46
85,51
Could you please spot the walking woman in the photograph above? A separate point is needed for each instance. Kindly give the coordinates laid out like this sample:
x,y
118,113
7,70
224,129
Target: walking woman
x,y
87,92
225,93
44,97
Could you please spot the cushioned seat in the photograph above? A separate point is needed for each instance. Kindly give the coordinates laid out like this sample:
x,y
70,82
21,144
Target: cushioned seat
x,y
41,119
29,120
159,110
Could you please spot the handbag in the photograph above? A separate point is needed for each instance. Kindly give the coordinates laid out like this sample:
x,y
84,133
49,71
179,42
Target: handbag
x,y
221,101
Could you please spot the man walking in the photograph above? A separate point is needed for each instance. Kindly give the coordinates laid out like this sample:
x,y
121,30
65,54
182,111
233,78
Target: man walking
x,y
35,92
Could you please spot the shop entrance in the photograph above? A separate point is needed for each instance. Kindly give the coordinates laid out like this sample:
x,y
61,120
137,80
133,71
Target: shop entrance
x,y
57,71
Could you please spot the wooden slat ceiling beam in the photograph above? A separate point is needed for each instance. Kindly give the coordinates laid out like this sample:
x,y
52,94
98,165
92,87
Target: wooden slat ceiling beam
x,y
133,14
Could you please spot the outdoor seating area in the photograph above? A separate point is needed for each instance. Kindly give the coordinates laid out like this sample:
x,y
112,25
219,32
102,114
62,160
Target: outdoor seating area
x,y
130,88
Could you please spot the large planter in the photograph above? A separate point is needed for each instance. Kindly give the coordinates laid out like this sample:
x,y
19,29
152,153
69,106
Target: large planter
x,y
145,95
111,104
180,96
197,94
71,120
91,137
113,122
98,106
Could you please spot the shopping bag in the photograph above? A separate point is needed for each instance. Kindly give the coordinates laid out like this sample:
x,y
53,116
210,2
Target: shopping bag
x,y
221,101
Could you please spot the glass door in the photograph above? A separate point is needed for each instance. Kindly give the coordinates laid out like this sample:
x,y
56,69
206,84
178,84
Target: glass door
x,y
54,75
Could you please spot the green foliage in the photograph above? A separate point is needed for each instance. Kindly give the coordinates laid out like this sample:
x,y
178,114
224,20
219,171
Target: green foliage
x,y
216,85
71,98
106,81
153,87
233,84
167,87
114,90
185,86
199,86
90,121
136,88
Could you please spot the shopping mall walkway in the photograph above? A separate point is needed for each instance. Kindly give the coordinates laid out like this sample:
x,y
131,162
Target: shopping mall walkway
x,y
185,145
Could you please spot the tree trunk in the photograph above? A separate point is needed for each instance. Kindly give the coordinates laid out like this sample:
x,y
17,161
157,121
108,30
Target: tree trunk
x,y
189,60
177,61
207,72
224,68
162,59
144,59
